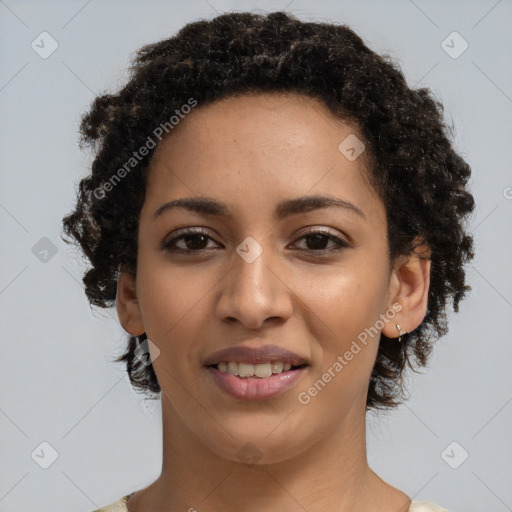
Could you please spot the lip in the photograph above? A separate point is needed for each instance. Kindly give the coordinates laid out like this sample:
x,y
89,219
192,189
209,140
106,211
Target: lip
x,y
255,355
254,388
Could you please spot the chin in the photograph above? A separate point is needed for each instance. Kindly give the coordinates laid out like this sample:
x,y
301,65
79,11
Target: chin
x,y
257,446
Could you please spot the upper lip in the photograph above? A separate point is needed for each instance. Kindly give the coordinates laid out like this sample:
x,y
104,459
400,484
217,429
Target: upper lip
x,y
255,355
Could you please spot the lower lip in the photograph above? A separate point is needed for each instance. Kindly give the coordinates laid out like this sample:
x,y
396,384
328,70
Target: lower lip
x,y
254,388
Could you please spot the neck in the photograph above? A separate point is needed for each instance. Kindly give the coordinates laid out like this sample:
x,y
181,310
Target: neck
x,y
331,475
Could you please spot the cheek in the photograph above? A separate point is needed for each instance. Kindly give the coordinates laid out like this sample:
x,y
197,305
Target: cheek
x,y
346,297
341,311
172,299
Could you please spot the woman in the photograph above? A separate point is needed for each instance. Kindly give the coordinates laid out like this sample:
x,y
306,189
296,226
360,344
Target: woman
x,y
279,220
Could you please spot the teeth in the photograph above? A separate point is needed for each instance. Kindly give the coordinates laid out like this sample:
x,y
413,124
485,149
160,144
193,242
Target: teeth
x,y
245,370
233,368
261,370
277,367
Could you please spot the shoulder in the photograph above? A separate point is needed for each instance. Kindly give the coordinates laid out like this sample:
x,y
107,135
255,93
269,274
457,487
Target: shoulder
x,y
426,506
117,506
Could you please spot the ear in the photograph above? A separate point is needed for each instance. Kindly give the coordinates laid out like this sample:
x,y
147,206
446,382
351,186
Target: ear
x,y
127,304
409,285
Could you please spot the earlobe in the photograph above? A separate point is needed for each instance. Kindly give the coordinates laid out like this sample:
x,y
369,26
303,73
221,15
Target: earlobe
x,y
410,285
127,304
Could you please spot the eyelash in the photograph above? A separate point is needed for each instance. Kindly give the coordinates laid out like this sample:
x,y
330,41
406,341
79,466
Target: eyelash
x,y
169,246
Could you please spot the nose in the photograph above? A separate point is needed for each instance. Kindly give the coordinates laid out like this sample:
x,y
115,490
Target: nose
x,y
253,293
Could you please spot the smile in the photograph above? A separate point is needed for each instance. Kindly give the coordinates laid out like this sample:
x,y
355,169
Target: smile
x,y
250,386
260,370
255,372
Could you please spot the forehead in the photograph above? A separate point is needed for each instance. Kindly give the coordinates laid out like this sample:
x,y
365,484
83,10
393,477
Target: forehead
x,y
259,148
288,122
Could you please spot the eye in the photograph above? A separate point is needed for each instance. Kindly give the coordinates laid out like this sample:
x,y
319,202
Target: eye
x,y
317,238
192,242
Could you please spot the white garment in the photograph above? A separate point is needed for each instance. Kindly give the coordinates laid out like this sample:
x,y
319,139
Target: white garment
x,y
416,506
425,506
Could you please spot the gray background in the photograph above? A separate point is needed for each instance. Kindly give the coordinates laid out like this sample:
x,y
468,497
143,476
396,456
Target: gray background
x,y
58,384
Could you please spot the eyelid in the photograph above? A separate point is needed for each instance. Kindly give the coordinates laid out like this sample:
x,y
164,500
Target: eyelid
x,y
323,230
183,232
187,231
340,240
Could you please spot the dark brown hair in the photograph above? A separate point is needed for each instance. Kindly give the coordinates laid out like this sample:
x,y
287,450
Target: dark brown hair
x,y
415,170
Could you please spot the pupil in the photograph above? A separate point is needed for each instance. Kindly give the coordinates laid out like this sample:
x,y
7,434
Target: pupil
x,y
190,245
318,239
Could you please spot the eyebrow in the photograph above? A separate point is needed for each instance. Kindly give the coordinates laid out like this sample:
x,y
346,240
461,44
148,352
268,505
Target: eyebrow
x,y
286,208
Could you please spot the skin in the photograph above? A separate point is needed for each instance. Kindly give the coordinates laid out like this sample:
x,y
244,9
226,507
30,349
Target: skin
x,y
252,152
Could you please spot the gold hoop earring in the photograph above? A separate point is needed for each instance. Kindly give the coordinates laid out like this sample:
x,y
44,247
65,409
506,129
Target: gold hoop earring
x,y
400,333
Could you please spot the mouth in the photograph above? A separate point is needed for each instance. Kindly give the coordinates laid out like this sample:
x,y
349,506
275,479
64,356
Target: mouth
x,y
258,370
255,373
241,355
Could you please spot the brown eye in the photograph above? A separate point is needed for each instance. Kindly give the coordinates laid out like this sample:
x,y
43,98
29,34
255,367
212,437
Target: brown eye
x,y
191,241
317,240
195,242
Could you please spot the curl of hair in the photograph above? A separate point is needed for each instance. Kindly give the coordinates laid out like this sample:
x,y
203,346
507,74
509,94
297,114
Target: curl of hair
x,y
413,166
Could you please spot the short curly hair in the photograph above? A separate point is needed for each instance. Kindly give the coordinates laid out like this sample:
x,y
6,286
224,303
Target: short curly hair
x,y
416,172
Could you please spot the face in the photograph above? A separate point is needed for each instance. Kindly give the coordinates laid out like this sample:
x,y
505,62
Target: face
x,y
266,266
